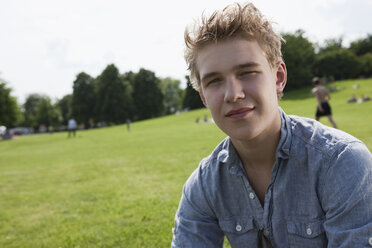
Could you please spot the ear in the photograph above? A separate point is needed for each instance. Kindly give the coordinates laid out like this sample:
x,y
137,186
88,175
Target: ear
x,y
281,77
202,98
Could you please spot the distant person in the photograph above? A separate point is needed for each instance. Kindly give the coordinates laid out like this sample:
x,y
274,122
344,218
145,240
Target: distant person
x,y
365,98
205,118
8,134
2,130
276,180
42,128
71,127
352,99
128,124
322,97
91,124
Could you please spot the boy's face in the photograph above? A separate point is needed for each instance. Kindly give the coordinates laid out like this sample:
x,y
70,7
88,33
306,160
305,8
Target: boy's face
x,y
240,88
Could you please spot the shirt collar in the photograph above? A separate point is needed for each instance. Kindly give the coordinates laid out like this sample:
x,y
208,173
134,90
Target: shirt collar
x,y
227,154
285,136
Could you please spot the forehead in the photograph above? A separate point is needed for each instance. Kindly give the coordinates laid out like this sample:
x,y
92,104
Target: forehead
x,y
226,55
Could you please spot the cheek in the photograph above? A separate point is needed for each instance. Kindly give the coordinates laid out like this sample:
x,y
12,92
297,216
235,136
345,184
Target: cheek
x,y
212,104
215,107
212,97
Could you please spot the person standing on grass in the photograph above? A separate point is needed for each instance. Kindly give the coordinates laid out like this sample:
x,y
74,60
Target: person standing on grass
x,y
71,127
276,180
322,97
128,124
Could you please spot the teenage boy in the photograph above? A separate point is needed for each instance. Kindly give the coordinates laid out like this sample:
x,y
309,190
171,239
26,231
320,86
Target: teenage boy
x,y
276,180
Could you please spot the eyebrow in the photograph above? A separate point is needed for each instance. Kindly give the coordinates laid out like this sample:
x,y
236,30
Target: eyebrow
x,y
247,65
241,66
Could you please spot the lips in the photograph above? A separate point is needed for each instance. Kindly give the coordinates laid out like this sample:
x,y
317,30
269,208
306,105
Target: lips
x,y
239,113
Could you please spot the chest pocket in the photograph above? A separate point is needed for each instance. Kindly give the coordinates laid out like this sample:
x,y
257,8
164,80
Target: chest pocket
x,y
240,231
306,234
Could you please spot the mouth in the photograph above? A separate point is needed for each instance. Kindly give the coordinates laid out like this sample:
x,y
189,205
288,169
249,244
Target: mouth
x,y
239,113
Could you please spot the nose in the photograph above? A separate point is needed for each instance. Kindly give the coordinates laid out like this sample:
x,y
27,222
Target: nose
x,y
234,90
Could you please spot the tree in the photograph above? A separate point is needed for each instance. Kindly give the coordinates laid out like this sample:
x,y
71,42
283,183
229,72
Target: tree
x,y
191,99
362,46
64,105
147,96
366,64
299,55
128,94
83,99
48,113
113,102
129,77
331,45
339,64
29,110
172,95
10,113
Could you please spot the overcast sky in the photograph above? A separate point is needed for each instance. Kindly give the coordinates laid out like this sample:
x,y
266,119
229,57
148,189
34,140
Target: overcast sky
x,y
44,44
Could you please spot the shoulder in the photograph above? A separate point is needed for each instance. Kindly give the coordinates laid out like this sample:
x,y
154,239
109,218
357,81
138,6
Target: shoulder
x,y
201,186
325,90
327,141
329,155
209,166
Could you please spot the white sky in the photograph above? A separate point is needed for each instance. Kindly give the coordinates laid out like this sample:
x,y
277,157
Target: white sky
x,y
44,44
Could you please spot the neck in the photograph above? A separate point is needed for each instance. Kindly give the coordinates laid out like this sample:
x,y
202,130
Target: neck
x,y
260,153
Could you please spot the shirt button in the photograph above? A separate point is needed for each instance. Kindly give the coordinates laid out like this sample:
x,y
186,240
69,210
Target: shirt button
x,y
308,231
251,195
238,228
266,232
370,241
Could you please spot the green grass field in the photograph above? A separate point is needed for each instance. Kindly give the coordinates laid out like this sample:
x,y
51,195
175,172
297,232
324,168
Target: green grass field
x,y
113,188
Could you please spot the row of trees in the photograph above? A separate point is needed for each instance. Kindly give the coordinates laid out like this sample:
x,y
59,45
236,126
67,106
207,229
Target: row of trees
x,y
110,98
113,98
332,60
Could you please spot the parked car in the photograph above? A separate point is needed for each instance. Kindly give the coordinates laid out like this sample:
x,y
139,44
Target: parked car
x,y
21,130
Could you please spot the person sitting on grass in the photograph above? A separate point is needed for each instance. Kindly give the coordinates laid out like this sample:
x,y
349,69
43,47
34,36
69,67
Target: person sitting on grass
x,y
352,99
366,98
277,180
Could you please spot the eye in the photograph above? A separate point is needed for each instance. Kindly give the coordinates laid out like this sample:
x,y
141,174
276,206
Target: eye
x,y
213,81
245,75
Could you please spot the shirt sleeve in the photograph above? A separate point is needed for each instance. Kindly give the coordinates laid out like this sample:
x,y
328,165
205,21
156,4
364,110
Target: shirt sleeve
x,y
347,198
195,223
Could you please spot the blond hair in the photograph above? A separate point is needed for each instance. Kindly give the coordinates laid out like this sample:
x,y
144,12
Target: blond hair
x,y
234,21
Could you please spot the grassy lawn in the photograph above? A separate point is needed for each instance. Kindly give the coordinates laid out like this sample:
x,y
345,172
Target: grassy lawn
x,y
353,118
113,188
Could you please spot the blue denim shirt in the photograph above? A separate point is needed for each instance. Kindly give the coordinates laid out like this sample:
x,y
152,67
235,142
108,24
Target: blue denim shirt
x,y
320,194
